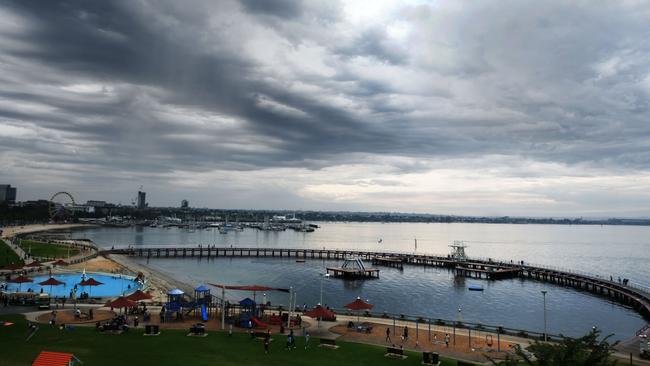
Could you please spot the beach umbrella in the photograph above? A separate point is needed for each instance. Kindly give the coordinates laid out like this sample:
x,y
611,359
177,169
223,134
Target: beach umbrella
x,y
139,296
35,264
358,305
51,282
90,282
13,266
121,302
60,262
20,280
320,312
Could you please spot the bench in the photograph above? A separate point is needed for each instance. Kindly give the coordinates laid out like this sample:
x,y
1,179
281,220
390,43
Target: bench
x,y
328,343
430,358
395,352
197,330
465,363
151,330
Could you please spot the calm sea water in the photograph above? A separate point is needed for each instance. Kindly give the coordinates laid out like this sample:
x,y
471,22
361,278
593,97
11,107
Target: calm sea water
x,y
603,250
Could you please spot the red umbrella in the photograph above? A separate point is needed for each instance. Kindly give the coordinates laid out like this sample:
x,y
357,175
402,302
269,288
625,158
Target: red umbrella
x,y
35,264
20,280
90,282
254,288
51,282
12,266
320,312
121,302
358,305
139,296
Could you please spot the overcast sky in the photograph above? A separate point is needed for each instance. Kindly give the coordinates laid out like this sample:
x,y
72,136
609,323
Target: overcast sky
x,y
454,107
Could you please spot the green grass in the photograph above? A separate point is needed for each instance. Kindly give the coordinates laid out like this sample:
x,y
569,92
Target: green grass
x,y
173,347
41,249
7,255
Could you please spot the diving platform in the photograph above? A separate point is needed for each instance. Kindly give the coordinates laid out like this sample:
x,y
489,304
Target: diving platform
x,y
353,267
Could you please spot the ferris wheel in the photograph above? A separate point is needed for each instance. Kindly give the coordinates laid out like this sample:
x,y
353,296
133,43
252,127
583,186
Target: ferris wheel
x,y
61,206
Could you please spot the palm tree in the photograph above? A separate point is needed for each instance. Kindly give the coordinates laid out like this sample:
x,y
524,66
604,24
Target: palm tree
x,y
584,351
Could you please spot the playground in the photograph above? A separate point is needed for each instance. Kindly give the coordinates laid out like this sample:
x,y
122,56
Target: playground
x,y
181,309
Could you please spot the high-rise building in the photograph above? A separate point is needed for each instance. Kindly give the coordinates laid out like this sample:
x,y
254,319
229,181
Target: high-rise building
x,y
185,204
7,193
142,200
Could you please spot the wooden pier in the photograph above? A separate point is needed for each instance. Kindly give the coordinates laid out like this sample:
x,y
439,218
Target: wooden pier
x,y
353,273
388,262
635,297
487,271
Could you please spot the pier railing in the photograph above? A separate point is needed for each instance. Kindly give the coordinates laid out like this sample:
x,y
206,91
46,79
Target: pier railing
x,y
502,261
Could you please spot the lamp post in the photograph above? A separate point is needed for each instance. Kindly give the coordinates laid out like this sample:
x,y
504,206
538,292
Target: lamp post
x,y
545,326
322,275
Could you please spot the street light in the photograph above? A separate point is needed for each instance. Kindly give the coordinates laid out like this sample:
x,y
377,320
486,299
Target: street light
x,y
322,275
545,331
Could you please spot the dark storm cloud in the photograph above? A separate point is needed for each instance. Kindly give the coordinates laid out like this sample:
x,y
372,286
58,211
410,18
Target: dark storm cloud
x,y
279,8
153,87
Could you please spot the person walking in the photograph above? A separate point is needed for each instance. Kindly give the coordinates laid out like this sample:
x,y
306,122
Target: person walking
x,y
289,341
388,335
406,334
267,341
306,339
447,340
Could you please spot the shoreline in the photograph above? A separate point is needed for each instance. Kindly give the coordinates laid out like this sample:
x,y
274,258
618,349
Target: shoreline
x,y
11,231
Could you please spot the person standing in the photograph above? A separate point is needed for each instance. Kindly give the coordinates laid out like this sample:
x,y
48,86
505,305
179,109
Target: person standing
x,y
388,335
267,341
447,340
406,334
306,339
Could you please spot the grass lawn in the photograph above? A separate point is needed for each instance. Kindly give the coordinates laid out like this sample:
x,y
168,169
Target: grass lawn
x,y
173,347
40,249
7,255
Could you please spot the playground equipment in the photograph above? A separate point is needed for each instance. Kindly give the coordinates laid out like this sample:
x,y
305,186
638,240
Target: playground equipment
x,y
203,304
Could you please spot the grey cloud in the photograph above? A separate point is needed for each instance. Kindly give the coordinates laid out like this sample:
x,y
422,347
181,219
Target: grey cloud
x,y
519,79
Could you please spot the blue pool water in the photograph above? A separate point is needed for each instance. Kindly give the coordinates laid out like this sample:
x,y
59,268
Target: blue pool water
x,y
112,285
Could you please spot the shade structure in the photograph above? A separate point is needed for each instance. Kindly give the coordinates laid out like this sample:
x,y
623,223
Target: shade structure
x,y
247,302
12,266
139,296
253,288
121,302
51,282
90,282
321,313
60,262
20,280
35,264
358,305
175,292
202,288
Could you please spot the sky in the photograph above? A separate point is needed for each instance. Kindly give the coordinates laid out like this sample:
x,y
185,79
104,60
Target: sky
x,y
529,108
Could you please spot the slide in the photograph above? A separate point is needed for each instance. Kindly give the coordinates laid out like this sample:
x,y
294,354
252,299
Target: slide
x,y
258,323
204,313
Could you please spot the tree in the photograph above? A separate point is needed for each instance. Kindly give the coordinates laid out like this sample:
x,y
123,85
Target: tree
x,y
587,350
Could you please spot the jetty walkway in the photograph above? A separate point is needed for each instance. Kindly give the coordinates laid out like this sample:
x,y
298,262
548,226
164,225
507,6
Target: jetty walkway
x,y
636,297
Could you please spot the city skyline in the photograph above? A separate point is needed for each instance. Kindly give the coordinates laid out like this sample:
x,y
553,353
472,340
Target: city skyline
x,y
463,108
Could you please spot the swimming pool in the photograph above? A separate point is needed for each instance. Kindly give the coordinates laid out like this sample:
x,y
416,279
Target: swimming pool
x,y
112,285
